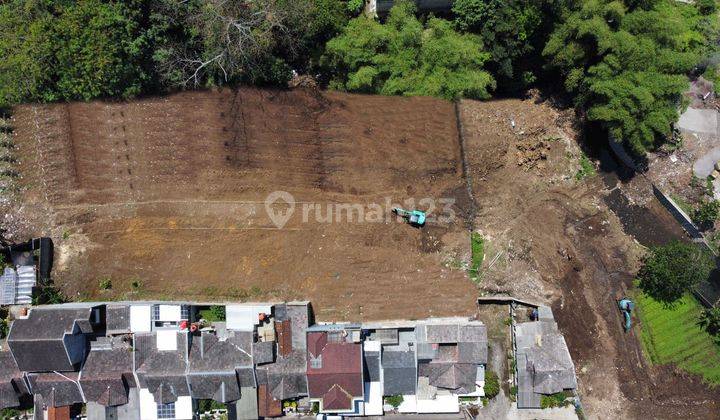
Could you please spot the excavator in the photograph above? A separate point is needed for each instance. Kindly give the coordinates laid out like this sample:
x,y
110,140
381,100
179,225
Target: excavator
x,y
626,307
414,217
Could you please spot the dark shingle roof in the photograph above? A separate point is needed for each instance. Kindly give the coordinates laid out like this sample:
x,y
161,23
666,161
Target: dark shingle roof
x,y
37,342
372,366
11,382
287,386
161,371
56,390
399,372
263,352
117,319
107,375
49,324
459,377
210,354
221,387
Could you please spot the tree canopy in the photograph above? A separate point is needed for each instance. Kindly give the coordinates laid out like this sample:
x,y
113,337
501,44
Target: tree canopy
x,y
405,57
626,63
671,270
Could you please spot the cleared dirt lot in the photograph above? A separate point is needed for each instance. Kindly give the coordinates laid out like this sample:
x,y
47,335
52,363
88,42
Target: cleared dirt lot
x,y
169,194
553,239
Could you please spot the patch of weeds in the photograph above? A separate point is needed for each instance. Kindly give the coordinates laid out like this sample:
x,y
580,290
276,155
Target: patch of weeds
x,y
209,291
477,246
513,393
508,321
554,400
586,170
705,215
394,400
255,291
66,234
492,385
105,283
136,284
213,313
684,205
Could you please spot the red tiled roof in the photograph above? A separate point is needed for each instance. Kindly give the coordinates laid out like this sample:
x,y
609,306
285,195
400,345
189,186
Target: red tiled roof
x,y
316,343
340,367
58,413
284,332
337,399
267,405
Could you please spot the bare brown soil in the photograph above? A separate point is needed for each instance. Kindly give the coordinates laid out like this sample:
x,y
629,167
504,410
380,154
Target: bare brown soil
x,y
551,238
165,197
167,194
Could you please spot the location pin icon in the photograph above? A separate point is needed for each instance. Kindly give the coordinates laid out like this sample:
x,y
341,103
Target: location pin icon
x,y
280,216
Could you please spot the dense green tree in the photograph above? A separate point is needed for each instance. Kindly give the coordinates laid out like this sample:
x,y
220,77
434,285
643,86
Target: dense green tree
x,y
405,57
710,321
513,32
671,270
70,50
626,63
706,214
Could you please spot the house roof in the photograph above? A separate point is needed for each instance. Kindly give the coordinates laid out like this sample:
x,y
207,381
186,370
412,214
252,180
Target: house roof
x,y
208,353
544,362
222,387
50,323
263,352
107,375
287,386
372,366
37,341
267,405
162,372
117,319
458,377
440,332
11,382
337,399
332,365
399,372
56,389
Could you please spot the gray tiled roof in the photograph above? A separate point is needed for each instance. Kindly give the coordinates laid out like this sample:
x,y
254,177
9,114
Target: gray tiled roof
x,y
544,362
263,352
246,377
37,342
473,352
399,372
210,354
372,366
162,372
288,385
459,377
117,319
448,332
221,387
56,390
11,383
107,375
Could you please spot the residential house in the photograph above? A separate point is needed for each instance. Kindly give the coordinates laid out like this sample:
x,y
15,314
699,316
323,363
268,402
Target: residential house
x,y
160,364
543,361
53,338
107,380
13,387
281,372
335,368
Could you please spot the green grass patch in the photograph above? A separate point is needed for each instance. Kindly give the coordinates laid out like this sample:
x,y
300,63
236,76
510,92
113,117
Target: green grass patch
x,y
214,313
477,245
672,335
586,170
